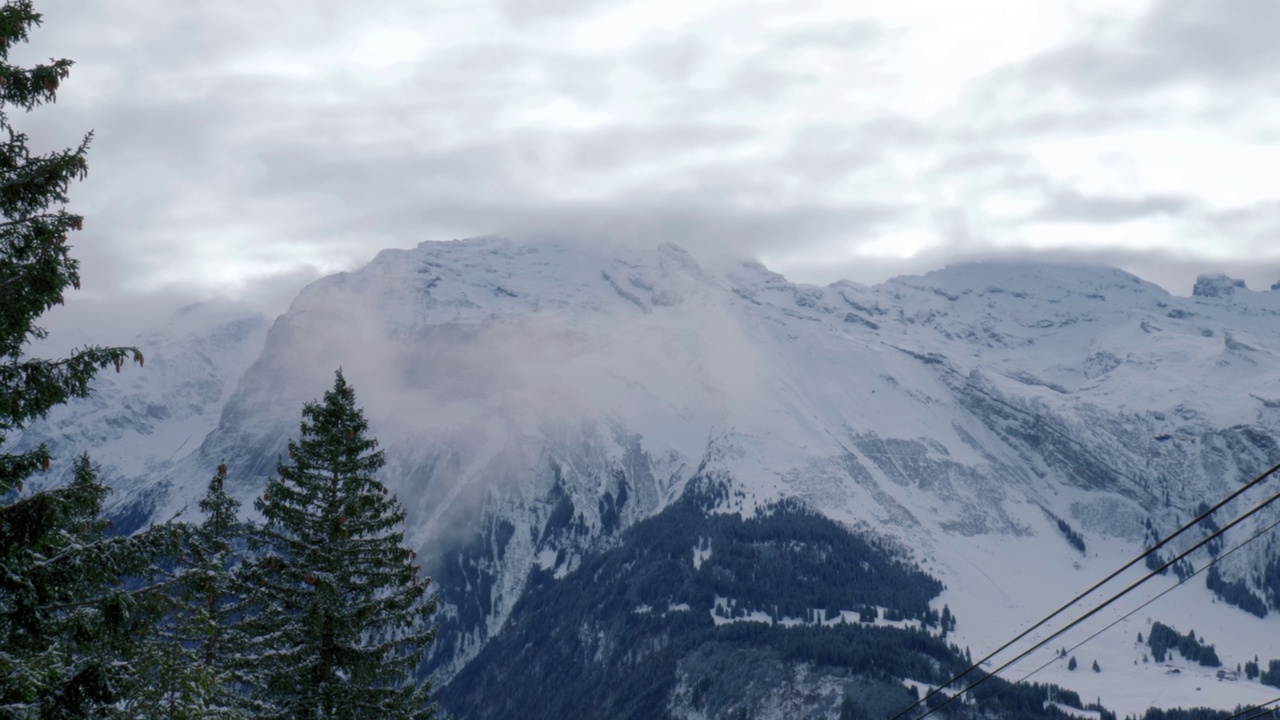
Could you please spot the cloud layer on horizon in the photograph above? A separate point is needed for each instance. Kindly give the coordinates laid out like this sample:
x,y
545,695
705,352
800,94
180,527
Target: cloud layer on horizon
x,y
243,144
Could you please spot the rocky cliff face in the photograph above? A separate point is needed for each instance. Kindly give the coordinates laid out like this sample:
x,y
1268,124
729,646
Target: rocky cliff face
x,y
537,400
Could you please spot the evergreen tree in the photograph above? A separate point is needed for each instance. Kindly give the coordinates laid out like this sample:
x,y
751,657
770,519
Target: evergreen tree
x,y
214,591
77,604
346,618
1072,665
201,673
74,601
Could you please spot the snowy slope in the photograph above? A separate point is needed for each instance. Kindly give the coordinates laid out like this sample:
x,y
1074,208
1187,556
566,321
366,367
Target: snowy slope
x,y
535,398
140,422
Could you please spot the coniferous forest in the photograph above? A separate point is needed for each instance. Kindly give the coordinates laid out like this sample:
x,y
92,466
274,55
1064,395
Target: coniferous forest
x,y
634,625
1163,638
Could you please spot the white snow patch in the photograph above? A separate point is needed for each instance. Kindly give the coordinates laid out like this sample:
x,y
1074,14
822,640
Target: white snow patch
x,y
546,559
1076,712
701,553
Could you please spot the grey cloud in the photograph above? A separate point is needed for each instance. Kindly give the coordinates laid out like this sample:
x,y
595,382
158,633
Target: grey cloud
x,y
828,151
964,161
147,164
897,130
779,69
92,317
1072,206
521,167
954,225
1221,42
195,148
264,160
618,147
761,81
1008,173
704,228
156,38
589,82
174,133
1263,215
1258,225
491,75
525,165
521,12
486,186
1091,69
670,61
483,67
487,189
1176,272
1224,40
1027,123
839,36
982,171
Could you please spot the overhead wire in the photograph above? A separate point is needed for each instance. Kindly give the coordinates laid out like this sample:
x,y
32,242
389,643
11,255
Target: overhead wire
x,y
1154,548
1240,714
1256,509
1166,591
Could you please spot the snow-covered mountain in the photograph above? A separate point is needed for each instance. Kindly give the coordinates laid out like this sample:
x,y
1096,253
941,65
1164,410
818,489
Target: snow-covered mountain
x,y
138,425
988,420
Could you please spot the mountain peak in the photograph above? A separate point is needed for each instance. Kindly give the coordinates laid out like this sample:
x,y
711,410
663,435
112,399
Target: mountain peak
x,y
1217,285
1030,276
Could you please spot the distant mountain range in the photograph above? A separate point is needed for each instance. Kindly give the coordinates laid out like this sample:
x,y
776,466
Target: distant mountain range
x,y
988,438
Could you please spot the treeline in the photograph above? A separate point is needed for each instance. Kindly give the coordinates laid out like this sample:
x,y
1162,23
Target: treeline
x,y
1235,593
1163,638
1074,539
1208,714
613,639
1271,581
793,561
1270,676
786,563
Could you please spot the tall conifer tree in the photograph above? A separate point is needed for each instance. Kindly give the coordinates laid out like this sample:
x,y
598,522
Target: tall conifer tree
x,y
69,622
341,602
200,670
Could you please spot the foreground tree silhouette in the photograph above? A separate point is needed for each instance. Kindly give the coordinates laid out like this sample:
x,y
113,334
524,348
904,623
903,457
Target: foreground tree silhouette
x,y
74,601
344,619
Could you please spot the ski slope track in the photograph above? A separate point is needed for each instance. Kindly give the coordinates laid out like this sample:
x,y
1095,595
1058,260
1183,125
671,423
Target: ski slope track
x,y
534,399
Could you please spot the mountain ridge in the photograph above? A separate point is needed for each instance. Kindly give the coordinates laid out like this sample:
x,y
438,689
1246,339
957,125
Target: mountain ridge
x,y
966,415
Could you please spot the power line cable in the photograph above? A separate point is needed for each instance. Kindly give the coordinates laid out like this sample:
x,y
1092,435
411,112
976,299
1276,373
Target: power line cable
x,y
1257,480
1168,590
1240,714
1256,509
1265,712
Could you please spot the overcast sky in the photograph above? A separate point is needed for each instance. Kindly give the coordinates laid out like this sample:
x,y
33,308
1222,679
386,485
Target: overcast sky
x,y
243,146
